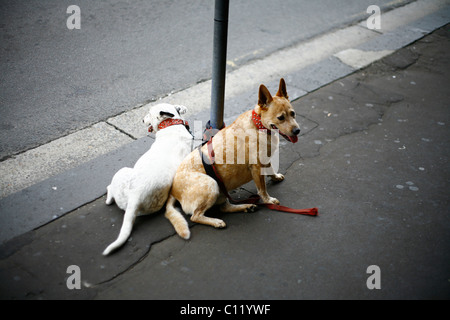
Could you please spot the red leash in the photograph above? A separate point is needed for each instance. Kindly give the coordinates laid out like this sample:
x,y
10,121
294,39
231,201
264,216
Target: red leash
x,y
254,199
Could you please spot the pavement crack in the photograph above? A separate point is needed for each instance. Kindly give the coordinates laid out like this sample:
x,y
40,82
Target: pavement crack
x,y
131,266
121,130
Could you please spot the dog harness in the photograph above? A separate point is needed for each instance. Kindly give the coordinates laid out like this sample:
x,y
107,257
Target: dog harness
x,y
211,171
170,122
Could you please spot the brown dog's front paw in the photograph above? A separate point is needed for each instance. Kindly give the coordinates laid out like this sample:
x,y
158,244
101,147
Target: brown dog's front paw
x,y
251,208
278,177
273,201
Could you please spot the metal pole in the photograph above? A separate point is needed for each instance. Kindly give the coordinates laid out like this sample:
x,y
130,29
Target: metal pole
x,y
221,8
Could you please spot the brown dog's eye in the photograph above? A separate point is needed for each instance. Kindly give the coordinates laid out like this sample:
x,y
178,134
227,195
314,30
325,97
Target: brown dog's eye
x,y
292,114
281,118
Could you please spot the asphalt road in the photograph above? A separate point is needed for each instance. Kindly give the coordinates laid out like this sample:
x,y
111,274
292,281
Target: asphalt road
x,y
54,81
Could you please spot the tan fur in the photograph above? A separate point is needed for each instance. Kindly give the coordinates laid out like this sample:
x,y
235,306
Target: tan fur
x,y
197,192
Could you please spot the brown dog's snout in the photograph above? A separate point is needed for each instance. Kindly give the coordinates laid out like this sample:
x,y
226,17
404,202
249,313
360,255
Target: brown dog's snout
x,y
296,131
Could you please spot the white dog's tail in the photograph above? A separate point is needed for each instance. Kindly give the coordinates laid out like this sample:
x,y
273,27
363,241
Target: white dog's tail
x,y
176,218
125,231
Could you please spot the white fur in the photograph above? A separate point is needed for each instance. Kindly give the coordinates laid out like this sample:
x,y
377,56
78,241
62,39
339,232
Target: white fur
x,y
144,188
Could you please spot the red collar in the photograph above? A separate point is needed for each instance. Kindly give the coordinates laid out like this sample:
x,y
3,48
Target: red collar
x,y
257,121
168,123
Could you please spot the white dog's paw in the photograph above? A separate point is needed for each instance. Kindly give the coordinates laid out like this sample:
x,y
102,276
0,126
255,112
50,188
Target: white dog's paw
x,y
109,197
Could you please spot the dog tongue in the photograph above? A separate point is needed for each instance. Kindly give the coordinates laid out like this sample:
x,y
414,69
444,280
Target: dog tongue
x,y
293,139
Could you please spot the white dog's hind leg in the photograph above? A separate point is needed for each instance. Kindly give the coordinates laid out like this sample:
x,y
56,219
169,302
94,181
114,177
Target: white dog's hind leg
x,y
125,231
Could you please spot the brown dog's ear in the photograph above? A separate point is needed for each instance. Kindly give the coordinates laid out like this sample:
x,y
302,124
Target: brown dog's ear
x,y
282,90
264,97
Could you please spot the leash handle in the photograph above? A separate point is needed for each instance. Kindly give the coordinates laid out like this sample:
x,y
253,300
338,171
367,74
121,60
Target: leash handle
x,y
310,212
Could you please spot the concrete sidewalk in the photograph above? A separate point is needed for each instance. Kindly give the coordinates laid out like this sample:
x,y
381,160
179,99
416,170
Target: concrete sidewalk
x,y
373,158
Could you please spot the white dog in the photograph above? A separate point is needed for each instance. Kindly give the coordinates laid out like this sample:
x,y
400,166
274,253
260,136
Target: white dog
x,y
144,189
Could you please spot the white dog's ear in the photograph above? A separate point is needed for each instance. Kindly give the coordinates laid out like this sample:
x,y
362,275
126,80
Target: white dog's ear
x,y
166,114
181,109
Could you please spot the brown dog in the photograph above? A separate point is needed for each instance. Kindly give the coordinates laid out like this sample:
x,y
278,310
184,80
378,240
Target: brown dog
x,y
243,152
